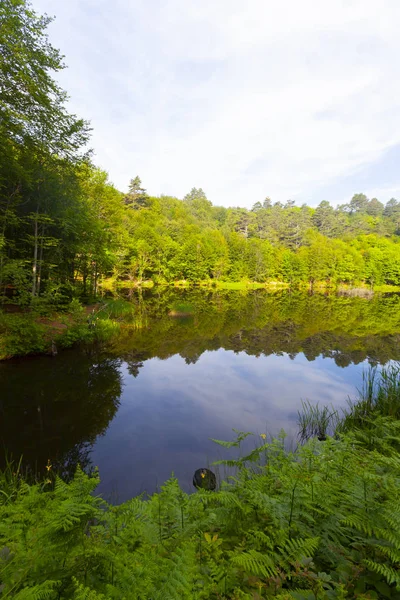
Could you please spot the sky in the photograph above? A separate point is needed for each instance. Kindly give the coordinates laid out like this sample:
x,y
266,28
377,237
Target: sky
x,y
291,100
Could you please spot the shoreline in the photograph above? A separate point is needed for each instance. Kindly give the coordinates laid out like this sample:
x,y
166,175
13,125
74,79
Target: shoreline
x,y
273,285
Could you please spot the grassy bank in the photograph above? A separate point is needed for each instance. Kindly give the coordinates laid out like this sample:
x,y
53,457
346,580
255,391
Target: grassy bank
x,y
321,522
48,331
31,332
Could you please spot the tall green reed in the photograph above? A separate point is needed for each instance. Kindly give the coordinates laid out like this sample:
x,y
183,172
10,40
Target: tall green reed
x,y
378,397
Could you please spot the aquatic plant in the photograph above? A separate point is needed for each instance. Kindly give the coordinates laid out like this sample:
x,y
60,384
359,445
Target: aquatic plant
x,y
316,421
133,313
378,397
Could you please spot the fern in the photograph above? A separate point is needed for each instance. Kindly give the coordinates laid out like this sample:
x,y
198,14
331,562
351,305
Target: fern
x,y
253,562
295,550
43,591
241,435
306,524
85,593
389,573
179,580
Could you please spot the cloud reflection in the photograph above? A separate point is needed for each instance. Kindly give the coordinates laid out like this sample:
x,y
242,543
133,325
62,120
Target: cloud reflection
x,y
169,413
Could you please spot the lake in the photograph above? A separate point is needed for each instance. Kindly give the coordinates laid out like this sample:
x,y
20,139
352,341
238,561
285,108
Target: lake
x,y
191,366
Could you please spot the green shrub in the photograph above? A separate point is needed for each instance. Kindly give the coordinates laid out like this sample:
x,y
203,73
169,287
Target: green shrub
x,y
75,309
20,335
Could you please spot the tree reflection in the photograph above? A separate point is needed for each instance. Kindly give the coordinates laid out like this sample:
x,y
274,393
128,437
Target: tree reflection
x,y
349,330
56,407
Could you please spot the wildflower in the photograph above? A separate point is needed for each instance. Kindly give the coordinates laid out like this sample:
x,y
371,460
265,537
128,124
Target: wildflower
x,y
48,466
263,435
203,475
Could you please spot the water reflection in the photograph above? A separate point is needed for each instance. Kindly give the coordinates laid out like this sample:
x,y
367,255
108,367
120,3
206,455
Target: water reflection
x,y
150,402
56,407
169,413
349,330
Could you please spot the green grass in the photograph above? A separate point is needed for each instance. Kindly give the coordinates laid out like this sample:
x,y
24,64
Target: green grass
x,y
249,285
10,478
23,334
121,312
228,285
386,288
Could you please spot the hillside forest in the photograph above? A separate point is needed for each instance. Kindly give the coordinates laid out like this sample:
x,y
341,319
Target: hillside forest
x,y
65,230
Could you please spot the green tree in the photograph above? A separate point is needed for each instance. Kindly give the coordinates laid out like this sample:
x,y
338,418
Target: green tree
x,y
40,141
261,260
392,213
324,218
267,202
195,194
137,196
374,207
358,203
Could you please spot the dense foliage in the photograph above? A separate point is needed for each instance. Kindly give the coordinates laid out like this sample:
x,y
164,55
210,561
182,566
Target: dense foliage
x,y
320,523
65,229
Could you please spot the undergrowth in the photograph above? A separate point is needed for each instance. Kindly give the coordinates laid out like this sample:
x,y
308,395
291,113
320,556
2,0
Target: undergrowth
x,y
20,335
319,523
34,333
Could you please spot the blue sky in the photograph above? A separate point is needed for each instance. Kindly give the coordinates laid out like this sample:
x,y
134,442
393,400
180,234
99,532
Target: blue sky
x,y
287,99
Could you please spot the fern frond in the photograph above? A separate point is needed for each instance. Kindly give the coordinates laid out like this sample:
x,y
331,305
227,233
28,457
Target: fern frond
x,y
85,593
390,574
297,549
241,435
358,522
255,563
43,591
391,553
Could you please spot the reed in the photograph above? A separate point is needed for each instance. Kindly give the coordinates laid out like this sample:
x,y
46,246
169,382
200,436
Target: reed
x,y
316,421
378,397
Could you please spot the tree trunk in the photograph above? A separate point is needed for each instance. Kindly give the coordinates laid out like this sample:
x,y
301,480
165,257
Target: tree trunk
x,y
95,280
35,255
84,277
3,236
40,262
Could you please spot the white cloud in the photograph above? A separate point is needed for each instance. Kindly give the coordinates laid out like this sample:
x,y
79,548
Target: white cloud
x,y
243,99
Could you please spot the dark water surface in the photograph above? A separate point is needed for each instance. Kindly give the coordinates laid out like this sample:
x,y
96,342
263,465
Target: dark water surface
x,y
148,403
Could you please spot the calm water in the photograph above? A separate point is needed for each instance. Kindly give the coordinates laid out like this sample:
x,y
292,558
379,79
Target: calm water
x,y
148,403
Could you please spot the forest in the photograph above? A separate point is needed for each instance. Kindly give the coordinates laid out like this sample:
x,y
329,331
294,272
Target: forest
x,y
66,231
